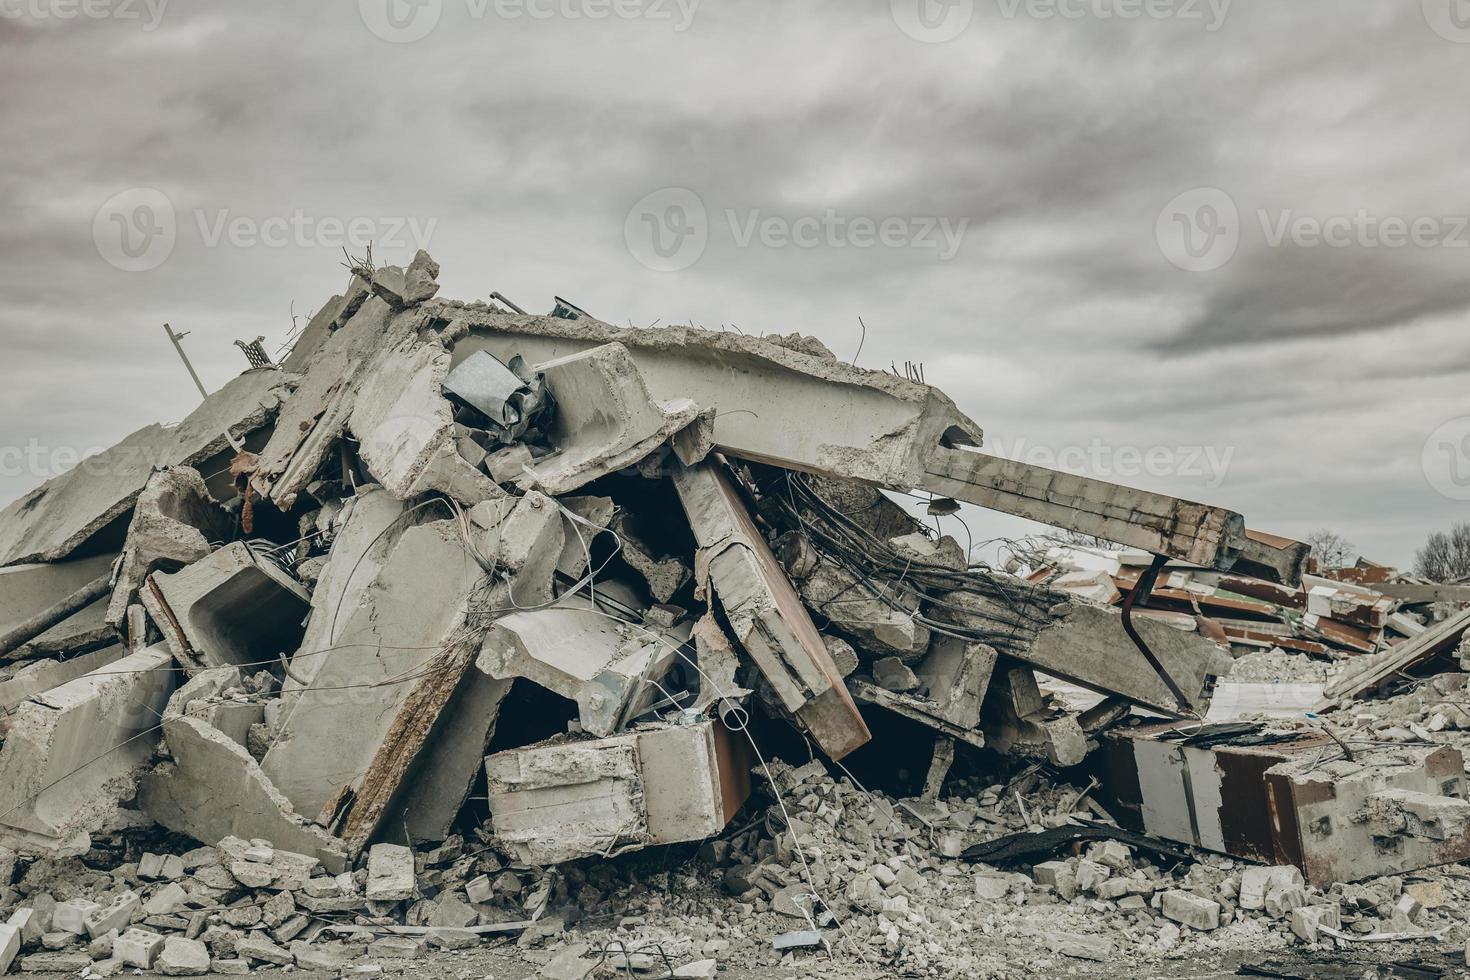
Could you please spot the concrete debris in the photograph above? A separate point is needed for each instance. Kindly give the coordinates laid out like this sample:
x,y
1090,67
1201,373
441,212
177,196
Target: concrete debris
x,y
443,632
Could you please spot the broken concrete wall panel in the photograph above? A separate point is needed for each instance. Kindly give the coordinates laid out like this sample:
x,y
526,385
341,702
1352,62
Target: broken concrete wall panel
x,y
214,789
73,751
173,523
1086,645
448,764
52,521
405,427
337,724
767,616
665,784
367,530
606,419
232,607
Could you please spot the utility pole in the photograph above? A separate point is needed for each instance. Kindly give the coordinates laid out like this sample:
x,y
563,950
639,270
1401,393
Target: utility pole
x,y
175,338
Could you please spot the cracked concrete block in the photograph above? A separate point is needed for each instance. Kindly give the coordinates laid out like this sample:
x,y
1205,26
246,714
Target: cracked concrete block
x,y
737,567
137,947
181,957
605,419
174,521
605,665
390,873
73,751
863,610
52,521
565,799
405,427
334,729
230,608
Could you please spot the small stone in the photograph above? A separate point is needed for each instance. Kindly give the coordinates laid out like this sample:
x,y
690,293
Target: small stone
x,y
479,890
150,867
72,916
1090,874
173,867
236,968
252,874
698,970
446,937
1111,854
327,958
396,947
1189,909
260,854
166,901
1094,948
992,887
183,958
1255,883
1282,900
101,947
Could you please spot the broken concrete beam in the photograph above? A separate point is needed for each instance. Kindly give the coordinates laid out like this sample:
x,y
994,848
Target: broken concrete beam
x,y
313,419
610,668
738,570
405,427
521,540
50,522
43,675
29,629
605,419
230,608
1086,644
915,708
562,800
396,629
27,590
173,523
953,680
879,428
72,752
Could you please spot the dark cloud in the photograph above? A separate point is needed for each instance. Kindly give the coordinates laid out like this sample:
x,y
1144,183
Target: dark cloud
x,y
1055,144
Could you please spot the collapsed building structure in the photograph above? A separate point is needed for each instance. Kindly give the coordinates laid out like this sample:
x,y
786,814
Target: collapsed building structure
x,y
452,574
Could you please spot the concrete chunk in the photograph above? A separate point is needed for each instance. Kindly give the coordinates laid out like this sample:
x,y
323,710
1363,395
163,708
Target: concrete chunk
x,y
556,802
763,609
1191,910
138,948
73,751
390,873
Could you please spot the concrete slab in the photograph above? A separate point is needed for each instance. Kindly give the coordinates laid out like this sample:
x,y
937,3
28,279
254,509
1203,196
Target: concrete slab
x,y
43,675
73,751
50,522
735,567
337,724
229,608
405,427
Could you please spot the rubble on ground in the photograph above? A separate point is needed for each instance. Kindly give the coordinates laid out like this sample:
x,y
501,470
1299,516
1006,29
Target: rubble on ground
x,y
462,627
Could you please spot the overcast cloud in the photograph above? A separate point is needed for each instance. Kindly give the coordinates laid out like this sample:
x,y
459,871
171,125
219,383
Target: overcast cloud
x,y
1214,249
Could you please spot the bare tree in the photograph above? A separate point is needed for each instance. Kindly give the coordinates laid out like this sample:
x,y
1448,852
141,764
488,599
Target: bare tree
x,y
1331,549
1445,557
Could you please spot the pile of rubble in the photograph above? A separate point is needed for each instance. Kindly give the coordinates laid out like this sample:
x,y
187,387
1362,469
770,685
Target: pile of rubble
x,y
461,626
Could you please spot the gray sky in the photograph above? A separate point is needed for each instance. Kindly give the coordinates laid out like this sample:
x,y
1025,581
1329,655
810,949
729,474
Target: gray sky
x,y
1001,189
